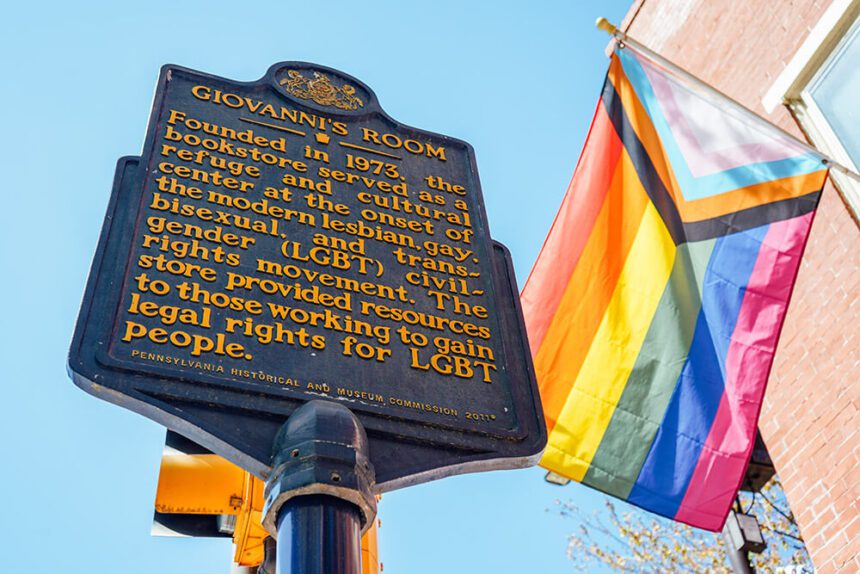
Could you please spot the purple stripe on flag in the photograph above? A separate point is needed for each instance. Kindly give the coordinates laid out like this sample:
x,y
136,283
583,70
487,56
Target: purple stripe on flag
x,y
675,452
715,480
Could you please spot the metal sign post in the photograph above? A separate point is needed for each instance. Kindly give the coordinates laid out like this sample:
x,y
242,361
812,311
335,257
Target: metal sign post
x,y
319,497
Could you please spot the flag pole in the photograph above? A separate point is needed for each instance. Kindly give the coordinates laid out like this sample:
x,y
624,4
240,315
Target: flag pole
x,y
624,39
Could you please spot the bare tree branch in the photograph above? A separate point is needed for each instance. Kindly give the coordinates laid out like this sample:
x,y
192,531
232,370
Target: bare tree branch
x,y
635,541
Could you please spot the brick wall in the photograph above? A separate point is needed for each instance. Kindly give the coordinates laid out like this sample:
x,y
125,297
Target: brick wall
x,y
811,415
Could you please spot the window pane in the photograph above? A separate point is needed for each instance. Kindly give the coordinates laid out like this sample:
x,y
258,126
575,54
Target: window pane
x,y
836,91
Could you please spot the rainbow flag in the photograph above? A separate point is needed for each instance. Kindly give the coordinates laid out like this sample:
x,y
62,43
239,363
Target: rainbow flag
x,y
654,308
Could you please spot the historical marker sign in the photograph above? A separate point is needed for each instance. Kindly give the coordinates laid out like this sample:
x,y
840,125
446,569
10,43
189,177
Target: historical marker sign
x,y
284,240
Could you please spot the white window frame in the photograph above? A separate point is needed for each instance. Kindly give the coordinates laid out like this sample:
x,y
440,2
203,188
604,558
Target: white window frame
x,y
791,89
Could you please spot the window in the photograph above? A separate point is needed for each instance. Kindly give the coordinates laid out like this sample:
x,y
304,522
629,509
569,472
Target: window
x,y
821,85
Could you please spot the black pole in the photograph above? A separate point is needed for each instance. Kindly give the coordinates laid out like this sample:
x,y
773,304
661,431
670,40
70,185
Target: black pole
x,y
319,496
738,558
736,545
319,534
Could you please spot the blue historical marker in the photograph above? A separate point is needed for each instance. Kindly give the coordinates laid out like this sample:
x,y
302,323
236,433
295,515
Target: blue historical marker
x,y
284,244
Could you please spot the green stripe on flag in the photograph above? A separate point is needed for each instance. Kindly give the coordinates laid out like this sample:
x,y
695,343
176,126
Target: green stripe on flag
x,y
643,402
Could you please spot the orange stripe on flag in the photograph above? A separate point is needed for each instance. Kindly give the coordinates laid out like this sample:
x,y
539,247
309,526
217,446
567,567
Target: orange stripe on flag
x,y
752,196
566,343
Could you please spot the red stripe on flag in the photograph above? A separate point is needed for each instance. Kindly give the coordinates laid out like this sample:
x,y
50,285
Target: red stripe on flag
x,y
569,233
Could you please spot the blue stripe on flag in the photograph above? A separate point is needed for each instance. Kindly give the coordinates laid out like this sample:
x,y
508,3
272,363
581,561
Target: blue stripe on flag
x,y
673,455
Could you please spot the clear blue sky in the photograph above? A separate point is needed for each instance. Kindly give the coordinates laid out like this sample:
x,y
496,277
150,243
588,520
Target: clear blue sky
x,y
518,80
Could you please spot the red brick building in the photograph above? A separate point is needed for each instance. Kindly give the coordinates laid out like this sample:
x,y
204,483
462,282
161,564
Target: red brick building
x,y
795,62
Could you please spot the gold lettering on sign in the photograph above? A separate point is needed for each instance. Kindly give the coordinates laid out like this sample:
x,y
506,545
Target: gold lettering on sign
x,y
275,236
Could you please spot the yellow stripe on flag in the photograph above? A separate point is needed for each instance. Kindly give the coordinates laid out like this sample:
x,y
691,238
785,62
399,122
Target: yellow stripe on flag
x,y
566,342
598,387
